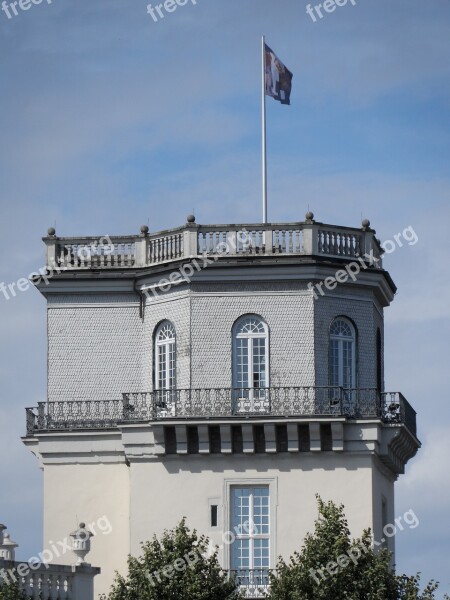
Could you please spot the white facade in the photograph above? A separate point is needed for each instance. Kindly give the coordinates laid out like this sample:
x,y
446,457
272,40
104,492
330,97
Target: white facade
x,y
291,434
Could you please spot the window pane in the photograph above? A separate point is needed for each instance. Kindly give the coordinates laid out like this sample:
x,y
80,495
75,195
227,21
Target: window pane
x,y
162,375
259,363
261,554
240,555
242,363
334,362
347,378
251,526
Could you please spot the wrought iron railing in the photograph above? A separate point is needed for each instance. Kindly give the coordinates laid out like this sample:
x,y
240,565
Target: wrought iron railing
x,y
222,403
252,583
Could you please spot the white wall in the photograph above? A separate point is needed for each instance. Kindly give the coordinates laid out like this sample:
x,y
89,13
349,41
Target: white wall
x,y
88,492
163,492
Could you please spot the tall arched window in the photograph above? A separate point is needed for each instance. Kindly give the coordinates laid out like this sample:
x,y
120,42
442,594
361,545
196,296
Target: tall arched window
x,y
165,357
342,353
251,353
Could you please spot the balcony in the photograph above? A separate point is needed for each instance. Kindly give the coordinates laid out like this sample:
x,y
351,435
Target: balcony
x,y
231,404
252,583
308,238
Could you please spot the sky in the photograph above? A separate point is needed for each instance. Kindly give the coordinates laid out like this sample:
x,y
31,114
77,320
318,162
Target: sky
x,y
110,120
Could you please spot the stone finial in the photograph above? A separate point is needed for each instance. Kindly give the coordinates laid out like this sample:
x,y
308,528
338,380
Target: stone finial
x,y
8,547
366,224
81,542
51,232
309,217
2,529
144,229
190,218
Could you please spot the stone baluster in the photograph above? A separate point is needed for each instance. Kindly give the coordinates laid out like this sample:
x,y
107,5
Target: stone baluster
x,y
33,586
45,585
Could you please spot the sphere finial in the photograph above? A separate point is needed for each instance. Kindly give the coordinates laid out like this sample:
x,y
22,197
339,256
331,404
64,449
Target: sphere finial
x,y
309,216
144,229
51,232
190,218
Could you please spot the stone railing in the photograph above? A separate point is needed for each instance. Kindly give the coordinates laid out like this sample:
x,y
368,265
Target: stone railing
x,y
308,238
222,403
51,582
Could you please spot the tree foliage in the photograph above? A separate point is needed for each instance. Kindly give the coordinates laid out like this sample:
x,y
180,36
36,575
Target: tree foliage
x,y
332,566
180,565
11,591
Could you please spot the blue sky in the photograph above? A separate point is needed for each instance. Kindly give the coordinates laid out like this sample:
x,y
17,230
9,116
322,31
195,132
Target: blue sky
x,y
109,120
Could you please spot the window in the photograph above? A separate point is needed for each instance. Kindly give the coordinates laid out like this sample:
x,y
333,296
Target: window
x,y
165,357
342,354
250,363
214,515
250,520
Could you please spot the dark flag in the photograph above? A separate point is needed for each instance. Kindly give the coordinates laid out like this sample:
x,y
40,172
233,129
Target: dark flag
x,y
278,78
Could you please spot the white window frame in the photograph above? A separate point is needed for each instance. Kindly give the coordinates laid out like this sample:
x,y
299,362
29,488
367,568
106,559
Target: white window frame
x,y
341,339
229,484
170,345
250,396
250,534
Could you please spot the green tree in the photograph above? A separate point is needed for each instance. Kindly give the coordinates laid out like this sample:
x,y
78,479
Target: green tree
x,y
332,566
11,591
180,565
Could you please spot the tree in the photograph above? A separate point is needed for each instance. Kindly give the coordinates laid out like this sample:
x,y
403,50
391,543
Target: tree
x,y
332,566
180,565
11,591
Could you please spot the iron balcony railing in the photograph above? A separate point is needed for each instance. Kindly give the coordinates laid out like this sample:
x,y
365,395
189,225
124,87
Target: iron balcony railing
x,y
222,403
252,583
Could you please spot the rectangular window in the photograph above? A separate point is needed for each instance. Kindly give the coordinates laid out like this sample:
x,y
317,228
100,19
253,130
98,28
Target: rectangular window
x,y
250,520
214,515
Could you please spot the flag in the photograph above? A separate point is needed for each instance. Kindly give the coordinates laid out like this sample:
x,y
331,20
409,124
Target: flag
x,y
278,78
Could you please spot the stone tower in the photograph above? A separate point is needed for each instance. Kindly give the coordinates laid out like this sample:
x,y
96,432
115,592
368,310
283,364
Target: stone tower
x,y
222,373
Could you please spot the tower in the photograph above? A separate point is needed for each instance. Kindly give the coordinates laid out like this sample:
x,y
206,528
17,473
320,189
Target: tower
x,y
222,373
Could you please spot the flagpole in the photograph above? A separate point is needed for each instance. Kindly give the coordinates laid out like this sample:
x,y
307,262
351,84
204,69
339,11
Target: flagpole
x,y
264,140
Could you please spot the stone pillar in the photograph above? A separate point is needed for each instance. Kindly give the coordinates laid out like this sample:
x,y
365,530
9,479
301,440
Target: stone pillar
x,y
314,433
141,247
310,235
190,238
51,243
83,582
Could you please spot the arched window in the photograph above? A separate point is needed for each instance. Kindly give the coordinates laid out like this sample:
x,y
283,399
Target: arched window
x,y
251,353
342,353
165,357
